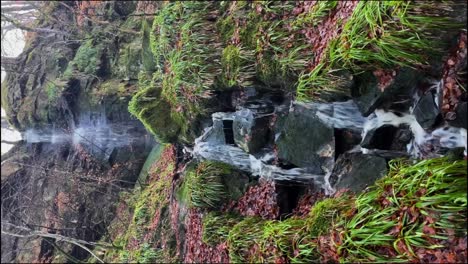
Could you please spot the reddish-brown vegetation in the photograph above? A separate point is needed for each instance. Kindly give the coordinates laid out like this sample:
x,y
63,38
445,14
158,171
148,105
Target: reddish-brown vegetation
x,y
196,250
452,89
259,200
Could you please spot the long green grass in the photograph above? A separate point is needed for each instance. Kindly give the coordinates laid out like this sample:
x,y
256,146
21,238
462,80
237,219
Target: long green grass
x,y
388,223
395,212
216,227
381,35
204,186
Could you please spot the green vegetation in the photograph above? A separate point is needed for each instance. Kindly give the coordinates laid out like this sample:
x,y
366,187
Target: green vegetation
x,y
380,35
204,186
153,111
293,239
87,58
416,206
52,91
216,227
236,67
142,226
406,210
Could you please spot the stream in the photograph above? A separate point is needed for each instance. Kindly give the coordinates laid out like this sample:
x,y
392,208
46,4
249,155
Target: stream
x,y
215,143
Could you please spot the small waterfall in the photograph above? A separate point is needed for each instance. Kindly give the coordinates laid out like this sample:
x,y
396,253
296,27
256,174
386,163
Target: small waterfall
x,y
424,144
338,114
212,144
94,132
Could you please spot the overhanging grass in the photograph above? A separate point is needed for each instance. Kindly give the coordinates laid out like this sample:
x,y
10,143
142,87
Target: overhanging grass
x,y
397,211
204,185
216,227
397,214
381,35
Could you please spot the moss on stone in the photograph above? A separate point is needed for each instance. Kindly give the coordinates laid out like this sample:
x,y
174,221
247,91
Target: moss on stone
x,y
155,114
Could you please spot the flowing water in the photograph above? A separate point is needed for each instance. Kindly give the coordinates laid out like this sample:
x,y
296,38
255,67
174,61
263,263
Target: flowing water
x,y
93,131
211,145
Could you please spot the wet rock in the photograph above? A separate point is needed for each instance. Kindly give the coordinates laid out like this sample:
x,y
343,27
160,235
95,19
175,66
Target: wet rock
x,y
388,137
304,139
345,139
356,171
396,95
250,133
460,119
426,111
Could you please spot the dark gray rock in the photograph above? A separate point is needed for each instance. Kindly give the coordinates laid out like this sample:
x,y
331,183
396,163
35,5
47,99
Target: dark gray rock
x,y
426,111
356,171
250,133
304,140
345,139
460,116
388,137
397,95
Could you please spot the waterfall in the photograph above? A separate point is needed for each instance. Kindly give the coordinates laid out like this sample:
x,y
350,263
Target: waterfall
x,y
93,131
212,145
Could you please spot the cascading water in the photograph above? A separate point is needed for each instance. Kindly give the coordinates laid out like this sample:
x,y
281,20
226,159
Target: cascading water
x,y
93,131
212,145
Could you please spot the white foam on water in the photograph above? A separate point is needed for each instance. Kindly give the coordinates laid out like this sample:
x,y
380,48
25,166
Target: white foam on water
x,y
423,142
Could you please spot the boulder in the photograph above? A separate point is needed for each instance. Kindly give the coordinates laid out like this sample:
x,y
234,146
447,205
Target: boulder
x,y
460,118
250,133
395,95
426,111
304,139
345,140
356,171
388,137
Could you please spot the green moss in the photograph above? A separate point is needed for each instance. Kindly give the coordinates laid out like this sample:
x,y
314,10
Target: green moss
x,y
4,96
325,213
153,111
148,60
87,57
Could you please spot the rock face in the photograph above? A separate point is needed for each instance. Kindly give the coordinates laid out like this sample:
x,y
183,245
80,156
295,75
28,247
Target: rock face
x,y
370,95
305,140
72,185
250,133
460,119
388,137
51,83
426,111
64,186
355,171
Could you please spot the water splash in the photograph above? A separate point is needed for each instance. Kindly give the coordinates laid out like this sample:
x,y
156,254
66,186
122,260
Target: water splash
x,y
338,114
424,144
211,145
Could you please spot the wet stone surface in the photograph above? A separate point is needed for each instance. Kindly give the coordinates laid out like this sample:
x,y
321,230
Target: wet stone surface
x,y
355,171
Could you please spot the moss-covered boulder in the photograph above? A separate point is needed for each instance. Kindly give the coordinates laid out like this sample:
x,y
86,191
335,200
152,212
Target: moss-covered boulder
x,y
155,113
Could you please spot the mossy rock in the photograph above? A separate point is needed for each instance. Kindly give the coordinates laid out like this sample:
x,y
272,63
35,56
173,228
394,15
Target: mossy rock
x,y
155,114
